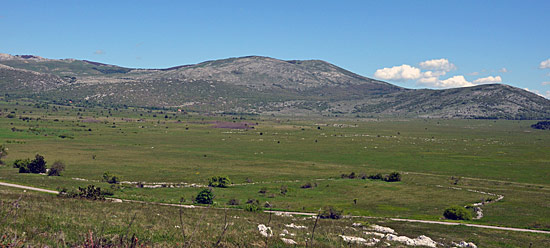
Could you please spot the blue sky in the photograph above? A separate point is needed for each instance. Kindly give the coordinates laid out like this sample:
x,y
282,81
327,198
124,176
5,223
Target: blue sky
x,y
458,41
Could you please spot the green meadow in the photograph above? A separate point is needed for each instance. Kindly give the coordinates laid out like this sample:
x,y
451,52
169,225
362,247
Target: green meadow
x,y
442,162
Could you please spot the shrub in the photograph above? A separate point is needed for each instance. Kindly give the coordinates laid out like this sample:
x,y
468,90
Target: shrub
x,y
38,165
375,176
350,175
393,177
110,178
263,190
205,197
330,212
56,168
252,208
233,202
22,165
306,186
284,189
219,181
3,153
457,213
91,192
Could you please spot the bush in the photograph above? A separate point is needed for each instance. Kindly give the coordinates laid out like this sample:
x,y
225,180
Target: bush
x,y
110,178
205,197
3,153
233,202
284,189
252,208
219,181
263,190
457,213
350,175
56,168
22,165
375,176
306,186
330,212
38,165
91,192
393,177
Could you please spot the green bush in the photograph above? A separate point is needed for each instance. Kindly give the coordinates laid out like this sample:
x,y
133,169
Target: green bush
x,y
205,197
393,177
330,212
457,213
375,176
91,192
56,168
252,208
3,153
22,165
110,178
219,181
233,202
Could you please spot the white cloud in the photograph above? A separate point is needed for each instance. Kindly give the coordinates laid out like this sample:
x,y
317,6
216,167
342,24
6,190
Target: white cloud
x,y
545,83
456,81
398,73
488,80
545,64
503,70
453,82
438,65
99,52
475,73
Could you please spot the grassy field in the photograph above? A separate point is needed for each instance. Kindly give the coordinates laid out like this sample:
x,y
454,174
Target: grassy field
x,y
440,160
42,219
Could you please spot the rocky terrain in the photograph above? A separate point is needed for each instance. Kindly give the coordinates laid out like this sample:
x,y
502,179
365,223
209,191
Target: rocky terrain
x,y
258,85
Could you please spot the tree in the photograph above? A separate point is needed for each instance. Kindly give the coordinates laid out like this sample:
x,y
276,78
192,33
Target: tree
x,y
205,197
56,168
38,165
219,181
3,153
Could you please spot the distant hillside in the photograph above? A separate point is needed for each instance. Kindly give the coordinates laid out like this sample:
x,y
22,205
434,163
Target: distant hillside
x,y
259,85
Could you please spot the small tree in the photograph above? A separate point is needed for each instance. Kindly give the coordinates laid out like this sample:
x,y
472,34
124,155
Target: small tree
x,y
219,181
205,197
38,165
56,168
3,153
457,213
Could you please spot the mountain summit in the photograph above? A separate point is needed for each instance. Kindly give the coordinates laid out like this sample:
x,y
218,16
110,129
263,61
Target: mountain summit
x,y
258,85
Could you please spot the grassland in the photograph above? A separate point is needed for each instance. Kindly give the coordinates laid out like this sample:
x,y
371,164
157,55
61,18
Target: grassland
x,y
440,160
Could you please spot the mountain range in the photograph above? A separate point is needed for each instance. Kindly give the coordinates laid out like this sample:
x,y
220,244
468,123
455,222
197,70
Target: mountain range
x,y
257,85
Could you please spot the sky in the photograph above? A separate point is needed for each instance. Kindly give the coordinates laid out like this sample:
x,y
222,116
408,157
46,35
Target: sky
x,y
414,44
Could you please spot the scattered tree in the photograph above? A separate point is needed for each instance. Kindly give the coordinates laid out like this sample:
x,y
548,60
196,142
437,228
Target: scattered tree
x,y
205,197
219,181
56,168
393,177
38,165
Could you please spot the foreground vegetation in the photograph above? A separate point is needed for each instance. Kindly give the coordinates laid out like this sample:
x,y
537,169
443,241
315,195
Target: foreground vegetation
x,y
40,219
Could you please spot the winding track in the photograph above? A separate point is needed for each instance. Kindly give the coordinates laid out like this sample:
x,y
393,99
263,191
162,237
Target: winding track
x,y
299,213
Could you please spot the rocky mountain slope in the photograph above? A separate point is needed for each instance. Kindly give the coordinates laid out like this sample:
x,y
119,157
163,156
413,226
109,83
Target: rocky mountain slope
x,y
258,85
